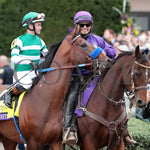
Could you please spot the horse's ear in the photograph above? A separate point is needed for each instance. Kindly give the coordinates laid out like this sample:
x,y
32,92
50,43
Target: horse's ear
x,y
137,51
75,31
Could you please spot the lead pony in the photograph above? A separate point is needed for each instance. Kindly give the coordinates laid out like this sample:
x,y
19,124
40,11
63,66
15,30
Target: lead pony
x,y
41,110
105,120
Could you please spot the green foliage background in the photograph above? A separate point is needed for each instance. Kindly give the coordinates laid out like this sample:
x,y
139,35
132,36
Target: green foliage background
x,y
59,18
139,131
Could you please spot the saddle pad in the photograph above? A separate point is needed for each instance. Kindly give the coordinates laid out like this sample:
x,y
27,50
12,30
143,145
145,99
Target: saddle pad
x,y
86,95
16,113
6,113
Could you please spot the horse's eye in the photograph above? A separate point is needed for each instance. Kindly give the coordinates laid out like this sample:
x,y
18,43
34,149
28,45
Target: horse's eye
x,y
136,74
83,45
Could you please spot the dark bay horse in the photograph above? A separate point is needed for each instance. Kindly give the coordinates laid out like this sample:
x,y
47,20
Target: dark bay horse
x,y
41,110
105,119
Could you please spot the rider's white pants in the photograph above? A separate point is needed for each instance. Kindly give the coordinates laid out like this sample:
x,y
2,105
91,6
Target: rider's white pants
x,y
26,81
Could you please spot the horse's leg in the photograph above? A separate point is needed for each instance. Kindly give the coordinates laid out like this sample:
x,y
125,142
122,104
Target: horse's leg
x,y
32,145
46,147
88,145
119,145
8,144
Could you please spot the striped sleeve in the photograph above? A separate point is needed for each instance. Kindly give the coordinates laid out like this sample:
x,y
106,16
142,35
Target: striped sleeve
x,y
44,49
16,46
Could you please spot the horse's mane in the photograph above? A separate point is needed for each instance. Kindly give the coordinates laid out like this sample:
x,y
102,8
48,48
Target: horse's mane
x,y
111,63
48,60
143,59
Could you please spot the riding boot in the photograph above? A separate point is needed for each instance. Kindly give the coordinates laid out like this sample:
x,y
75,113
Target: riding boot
x,y
69,135
10,93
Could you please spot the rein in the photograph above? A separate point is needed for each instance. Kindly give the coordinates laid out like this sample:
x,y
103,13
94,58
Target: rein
x,y
71,66
64,67
121,101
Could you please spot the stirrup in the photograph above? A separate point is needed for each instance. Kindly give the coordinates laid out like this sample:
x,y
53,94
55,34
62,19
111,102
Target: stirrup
x,y
70,137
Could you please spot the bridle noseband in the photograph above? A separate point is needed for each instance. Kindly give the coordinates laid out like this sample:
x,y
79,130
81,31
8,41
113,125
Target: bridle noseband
x,y
134,88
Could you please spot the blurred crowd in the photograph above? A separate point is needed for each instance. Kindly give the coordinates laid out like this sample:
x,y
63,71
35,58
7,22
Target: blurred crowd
x,y
127,42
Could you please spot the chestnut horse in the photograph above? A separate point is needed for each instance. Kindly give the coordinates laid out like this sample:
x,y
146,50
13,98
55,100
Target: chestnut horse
x,y
41,110
105,120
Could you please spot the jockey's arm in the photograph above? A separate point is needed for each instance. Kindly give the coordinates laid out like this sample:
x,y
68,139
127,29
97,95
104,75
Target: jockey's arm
x,y
44,50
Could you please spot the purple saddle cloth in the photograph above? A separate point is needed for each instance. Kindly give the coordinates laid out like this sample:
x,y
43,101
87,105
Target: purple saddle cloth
x,y
86,95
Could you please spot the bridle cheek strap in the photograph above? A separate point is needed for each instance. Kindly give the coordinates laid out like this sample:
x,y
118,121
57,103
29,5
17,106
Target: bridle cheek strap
x,y
133,88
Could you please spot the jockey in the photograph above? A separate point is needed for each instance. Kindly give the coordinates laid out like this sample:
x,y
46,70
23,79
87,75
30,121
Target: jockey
x,y
25,54
84,20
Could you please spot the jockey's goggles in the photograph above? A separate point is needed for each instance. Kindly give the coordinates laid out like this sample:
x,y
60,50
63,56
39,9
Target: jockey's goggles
x,y
40,17
87,25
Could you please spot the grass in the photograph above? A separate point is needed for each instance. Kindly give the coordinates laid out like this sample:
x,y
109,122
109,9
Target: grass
x,y
139,130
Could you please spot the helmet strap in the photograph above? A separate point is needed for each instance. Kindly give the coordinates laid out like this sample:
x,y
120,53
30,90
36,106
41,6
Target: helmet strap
x,y
32,29
85,36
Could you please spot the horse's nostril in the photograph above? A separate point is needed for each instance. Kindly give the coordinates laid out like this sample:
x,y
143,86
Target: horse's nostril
x,y
140,103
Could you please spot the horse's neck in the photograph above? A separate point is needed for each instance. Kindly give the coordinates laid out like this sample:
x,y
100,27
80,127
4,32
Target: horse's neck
x,y
112,83
54,91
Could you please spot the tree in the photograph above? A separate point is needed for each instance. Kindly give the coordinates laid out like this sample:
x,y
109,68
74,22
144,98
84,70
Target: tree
x,y
59,18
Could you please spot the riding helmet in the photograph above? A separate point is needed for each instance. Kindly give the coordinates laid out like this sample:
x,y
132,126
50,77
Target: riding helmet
x,y
83,16
31,18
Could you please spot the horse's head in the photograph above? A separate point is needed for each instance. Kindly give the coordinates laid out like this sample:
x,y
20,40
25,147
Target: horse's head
x,y
78,50
140,74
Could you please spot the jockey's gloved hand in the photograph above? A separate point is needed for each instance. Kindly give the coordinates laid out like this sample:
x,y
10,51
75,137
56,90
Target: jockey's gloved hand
x,y
34,65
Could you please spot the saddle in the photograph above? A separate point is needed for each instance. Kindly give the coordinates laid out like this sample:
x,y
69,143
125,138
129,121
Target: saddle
x,y
5,112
